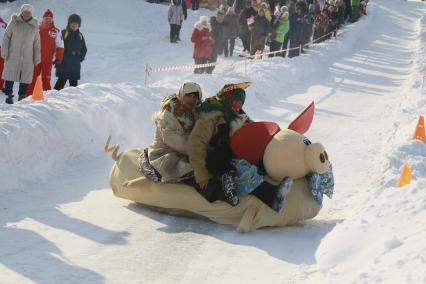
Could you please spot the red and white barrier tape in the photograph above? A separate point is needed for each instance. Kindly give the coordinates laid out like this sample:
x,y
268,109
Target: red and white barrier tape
x,y
180,67
149,70
317,39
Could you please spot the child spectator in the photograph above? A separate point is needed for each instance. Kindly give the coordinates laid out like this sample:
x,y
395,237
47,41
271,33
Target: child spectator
x,y
52,46
175,17
279,33
74,53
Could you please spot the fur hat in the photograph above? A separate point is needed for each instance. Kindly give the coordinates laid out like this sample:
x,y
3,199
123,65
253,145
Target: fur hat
x,y
74,18
48,13
28,8
204,19
203,23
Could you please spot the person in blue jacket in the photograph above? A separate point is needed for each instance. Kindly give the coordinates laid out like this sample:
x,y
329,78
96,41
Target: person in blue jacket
x,y
74,53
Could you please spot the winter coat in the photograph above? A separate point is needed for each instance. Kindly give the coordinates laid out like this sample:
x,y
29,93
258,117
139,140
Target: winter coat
x,y
231,26
203,41
175,15
74,53
245,14
259,32
296,30
51,43
217,32
168,152
205,128
20,49
280,30
260,27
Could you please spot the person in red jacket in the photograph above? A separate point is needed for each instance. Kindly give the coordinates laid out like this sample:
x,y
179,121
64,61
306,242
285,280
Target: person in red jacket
x,y
203,43
52,45
2,29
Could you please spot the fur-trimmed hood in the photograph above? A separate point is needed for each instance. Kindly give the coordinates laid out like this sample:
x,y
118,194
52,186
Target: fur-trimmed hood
x,y
18,18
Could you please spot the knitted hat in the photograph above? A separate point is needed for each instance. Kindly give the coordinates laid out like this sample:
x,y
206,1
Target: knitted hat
x,y
28,8
284,9
74,18
48,13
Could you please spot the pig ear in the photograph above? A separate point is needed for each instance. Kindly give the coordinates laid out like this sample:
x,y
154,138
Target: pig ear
x,y
317,158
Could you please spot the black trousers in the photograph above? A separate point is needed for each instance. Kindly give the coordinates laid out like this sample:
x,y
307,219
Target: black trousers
x,y
209,70
60,84
275,46
245,38
266,193
8,88
229,46
195,4
211,193
200,61
174,32
296,44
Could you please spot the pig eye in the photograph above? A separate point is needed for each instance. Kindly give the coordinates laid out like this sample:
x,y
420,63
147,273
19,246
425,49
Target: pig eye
x,y
322,158
306,141
326,156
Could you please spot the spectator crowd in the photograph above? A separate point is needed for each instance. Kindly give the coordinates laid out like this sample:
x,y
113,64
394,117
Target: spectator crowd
x,y
29,49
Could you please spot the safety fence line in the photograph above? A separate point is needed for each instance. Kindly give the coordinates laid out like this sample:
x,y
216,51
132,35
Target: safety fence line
x,y
148,70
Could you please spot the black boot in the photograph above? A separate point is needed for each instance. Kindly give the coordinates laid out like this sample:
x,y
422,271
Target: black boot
x,y
21,97
229,189
283,189
266,193
9,99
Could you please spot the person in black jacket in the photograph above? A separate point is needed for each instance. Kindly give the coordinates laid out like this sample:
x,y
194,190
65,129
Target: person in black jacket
x,y
195,5
216,22
185,15
245,34
297,28
74,53
259,31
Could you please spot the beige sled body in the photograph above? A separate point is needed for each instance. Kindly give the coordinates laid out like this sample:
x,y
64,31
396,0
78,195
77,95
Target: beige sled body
x,y
249,214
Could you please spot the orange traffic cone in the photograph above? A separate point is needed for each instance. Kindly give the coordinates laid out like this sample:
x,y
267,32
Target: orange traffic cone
x,y
38,90
405,177
419,134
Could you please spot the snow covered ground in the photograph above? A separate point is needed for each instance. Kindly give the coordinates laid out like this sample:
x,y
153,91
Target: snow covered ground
x,y
59,222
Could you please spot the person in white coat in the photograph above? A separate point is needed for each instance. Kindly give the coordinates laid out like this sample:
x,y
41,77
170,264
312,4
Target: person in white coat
x,y
20,51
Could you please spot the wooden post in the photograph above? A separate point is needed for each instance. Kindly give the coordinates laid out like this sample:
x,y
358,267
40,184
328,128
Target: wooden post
x,y
146,74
